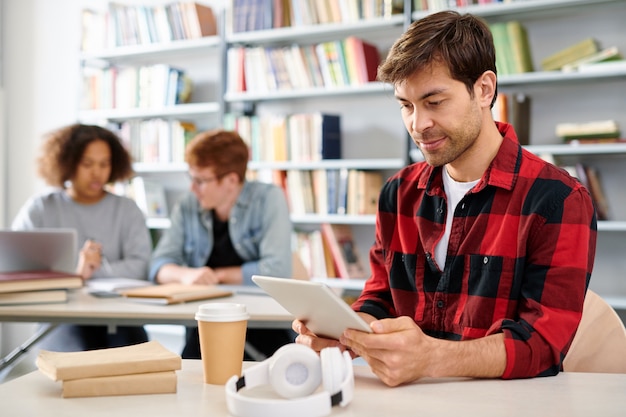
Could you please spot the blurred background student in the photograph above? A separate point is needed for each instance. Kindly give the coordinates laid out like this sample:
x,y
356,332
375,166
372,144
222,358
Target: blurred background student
x,y
225,230
78,161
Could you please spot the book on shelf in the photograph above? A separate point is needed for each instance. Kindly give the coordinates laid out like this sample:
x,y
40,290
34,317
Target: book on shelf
x,y
572,53
589,177
608,54
500,109
33,297
342,246
362,60
513,53
520,116
519,53
597,129
38,280
199,20
150,197
166,294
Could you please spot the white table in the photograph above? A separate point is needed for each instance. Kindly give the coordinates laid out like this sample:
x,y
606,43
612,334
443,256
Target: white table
x,y
567,394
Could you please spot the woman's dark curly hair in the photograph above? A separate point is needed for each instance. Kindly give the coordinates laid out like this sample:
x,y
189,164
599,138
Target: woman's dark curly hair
x,y
62,150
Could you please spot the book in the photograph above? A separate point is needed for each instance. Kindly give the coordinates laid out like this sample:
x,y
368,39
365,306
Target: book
x,y
368,184
38,280
174,293
33,297
199,20
607,54
126,360
520,117
573,53
366,60
342,247
150,197
134,384
519,52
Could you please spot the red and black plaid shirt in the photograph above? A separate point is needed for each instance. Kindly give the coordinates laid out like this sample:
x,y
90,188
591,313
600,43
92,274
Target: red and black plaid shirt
x,y
519,258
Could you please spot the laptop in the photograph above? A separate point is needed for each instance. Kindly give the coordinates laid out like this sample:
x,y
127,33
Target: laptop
x,y
38,249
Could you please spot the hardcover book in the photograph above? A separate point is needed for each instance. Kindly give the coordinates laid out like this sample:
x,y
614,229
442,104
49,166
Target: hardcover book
x,y
38,280
33,297
570,54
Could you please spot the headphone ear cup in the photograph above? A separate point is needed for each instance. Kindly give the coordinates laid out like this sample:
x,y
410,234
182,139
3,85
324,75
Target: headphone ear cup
x,y
333,369
295,371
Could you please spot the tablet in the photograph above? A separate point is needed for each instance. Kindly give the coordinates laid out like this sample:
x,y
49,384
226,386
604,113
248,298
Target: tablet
x,y
325,313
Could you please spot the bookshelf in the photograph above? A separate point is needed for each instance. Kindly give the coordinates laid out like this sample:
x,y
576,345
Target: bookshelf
x,y
200,58
368,143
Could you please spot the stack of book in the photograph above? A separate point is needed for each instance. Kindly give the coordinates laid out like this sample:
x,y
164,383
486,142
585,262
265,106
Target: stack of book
x,y
144,368
36,287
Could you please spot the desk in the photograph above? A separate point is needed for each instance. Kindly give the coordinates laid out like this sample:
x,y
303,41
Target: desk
x,y
83,308
567,394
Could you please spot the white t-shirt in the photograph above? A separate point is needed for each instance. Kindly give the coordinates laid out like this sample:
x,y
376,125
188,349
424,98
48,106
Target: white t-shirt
x,y
455,191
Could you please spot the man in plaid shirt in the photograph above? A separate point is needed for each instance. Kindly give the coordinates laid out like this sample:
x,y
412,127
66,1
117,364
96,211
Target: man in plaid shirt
x,y
483,252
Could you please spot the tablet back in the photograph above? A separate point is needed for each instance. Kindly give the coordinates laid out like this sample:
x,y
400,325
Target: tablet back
x,y
324,312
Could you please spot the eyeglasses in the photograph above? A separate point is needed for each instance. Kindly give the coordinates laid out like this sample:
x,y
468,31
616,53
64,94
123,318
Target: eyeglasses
x,y
199,182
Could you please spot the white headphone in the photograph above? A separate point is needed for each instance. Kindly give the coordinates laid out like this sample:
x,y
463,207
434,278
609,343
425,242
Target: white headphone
x,y
294,372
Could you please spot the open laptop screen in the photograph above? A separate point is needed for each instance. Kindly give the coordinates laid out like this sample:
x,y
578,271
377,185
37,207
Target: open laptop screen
x,y
38,249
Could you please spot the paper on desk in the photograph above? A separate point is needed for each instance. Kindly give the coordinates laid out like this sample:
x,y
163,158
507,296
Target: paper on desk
x,y
148,383
112,284
135,359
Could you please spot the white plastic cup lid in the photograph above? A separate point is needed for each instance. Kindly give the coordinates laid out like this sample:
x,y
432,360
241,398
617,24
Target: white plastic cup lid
x,y
222,312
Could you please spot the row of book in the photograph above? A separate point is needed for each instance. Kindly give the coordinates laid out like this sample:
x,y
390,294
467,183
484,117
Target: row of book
x,y
330,252
157,140
124,25
513,53
436,5
151,86
295,137
327,191
347,62
250,15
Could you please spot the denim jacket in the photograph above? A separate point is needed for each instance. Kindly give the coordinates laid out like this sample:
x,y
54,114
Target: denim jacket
x,y
259,227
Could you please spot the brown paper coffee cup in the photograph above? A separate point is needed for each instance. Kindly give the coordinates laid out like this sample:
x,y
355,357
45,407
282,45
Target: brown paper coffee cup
x,y
222,331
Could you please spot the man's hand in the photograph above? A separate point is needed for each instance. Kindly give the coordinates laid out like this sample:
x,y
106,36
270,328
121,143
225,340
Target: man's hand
x,y
310,339
397,351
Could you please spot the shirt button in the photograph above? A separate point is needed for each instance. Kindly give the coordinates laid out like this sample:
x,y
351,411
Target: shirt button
x,y
440,304
485,260
463,206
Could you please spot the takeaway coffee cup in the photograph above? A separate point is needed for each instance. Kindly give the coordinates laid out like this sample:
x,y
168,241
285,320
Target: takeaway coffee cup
x,y
222,331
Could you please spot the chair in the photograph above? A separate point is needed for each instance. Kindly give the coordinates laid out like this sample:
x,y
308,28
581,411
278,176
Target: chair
x,y
600,342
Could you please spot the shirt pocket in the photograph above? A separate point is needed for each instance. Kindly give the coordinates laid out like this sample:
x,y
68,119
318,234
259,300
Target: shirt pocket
x,y
485,293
